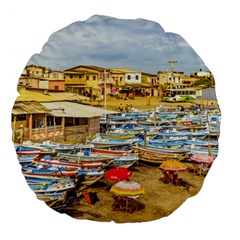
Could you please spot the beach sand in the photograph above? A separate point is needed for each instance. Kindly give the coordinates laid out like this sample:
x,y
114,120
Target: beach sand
x,y
159,200
144,103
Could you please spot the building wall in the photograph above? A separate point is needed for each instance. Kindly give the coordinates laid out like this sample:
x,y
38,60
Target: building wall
x,y
56,85
75,78
94,126
29,81
163,77
56,75
34,71
209,94
91,80
133,78
118,78
43,84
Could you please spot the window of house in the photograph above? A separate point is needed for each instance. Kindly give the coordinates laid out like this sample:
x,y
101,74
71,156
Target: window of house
x,y
136,77
87,77
120,78
129,77
94,77
71,76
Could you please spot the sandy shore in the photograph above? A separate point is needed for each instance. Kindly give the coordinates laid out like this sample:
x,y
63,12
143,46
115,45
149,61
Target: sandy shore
x,y
144,103
160,199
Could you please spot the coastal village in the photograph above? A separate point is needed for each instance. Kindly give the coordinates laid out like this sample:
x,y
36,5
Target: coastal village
x,y
113,144
53,104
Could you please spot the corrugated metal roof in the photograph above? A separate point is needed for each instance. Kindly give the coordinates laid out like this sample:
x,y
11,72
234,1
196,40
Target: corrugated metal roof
x,y
70,109
29,107
28,95
123,70
68,96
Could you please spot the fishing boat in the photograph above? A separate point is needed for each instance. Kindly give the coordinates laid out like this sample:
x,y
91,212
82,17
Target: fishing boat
x,y
110,152
124,161
163,144
117,135
200,134
99,142
156,153
87,157
57,162
57,186
26,159
53,171
181,150
202,143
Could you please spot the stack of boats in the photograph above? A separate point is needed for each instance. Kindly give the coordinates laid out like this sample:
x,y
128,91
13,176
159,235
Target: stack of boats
x,y
58,173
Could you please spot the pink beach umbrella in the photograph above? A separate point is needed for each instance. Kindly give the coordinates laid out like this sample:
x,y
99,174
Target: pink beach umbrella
x,y
202,158
127,188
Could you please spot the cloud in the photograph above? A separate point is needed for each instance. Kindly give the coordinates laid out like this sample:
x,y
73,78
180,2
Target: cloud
x,y
107,42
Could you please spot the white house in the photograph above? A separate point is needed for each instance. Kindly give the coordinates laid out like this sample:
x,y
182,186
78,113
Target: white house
x,y
201,74
133,77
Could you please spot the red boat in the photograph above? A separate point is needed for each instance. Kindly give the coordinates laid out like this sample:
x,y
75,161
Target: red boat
x,y
29,152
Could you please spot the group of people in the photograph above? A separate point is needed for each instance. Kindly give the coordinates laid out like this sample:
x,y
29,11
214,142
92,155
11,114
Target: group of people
x,y
127,108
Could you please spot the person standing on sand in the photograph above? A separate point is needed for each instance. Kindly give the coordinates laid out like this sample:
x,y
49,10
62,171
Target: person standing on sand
x,y
120,108
126,108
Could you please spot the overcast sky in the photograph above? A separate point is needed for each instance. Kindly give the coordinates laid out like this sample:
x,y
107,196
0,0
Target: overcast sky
x,y
103,41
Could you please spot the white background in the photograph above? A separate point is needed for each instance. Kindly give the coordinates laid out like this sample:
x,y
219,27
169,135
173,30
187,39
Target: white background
x,y
211,28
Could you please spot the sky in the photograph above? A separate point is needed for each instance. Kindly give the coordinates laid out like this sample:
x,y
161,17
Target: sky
x,y
104,41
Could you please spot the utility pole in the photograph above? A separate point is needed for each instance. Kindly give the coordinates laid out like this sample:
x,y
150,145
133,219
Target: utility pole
x,y
172,62
105,94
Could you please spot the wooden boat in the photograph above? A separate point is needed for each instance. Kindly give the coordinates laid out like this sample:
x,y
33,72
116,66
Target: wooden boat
x,y
86,157
37,178
91,176
117,136
203,143
38,147
164,144
156,153
56,162
181,150
24,151
25,159
199,134
53,172
99,142
59,186
109,152
124,161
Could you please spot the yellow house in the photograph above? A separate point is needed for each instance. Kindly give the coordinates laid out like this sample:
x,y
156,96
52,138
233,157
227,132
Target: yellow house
x,y
82,80
152,81
31,74
118,77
